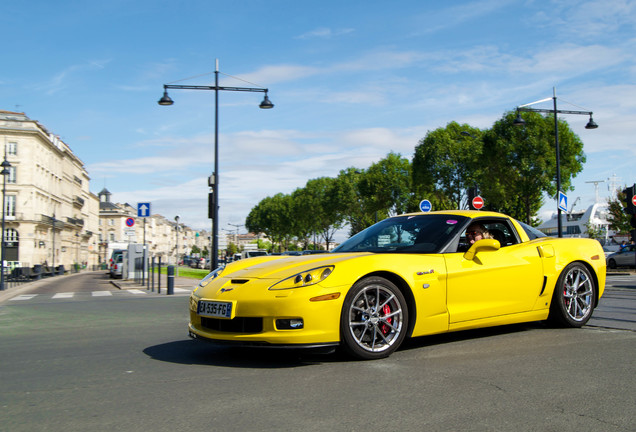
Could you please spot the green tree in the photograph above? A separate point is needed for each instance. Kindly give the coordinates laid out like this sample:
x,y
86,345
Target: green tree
x,y
272,216
445,165
387,185
519,163
231,249
325,206
617,218
357,208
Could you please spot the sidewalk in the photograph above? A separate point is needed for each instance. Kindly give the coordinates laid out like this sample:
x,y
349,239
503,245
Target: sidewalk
x,y
179,282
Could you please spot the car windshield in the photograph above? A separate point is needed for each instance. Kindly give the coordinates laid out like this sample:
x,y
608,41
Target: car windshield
x,y
427,233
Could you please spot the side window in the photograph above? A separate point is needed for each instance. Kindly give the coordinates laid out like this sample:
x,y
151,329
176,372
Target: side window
x,y
501,231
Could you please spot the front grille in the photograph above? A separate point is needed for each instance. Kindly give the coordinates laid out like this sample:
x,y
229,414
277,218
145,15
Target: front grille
x,y
236,325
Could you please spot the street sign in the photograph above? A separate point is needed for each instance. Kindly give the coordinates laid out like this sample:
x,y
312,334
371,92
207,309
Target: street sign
x,y
143,209
563,201
634,200
426,206
478,202
130,222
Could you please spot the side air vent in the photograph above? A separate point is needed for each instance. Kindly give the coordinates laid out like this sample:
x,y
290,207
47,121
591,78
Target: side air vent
x,y
239,281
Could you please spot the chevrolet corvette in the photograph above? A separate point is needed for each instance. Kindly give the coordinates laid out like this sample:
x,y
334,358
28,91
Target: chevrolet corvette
x,y
407,276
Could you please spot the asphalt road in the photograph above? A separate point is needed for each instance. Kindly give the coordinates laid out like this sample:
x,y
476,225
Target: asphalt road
x,y
123,362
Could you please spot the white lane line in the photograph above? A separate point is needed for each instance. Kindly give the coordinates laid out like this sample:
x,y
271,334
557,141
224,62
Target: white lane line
x,y
64,295
181,290
102,293
136,291
23,297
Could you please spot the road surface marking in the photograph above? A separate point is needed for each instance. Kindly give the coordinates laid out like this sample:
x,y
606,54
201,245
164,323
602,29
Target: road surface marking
x,y
64,295
23,297
136,291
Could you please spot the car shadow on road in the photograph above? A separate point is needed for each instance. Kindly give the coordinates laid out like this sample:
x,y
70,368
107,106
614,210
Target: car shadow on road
x,y
194,352
202,353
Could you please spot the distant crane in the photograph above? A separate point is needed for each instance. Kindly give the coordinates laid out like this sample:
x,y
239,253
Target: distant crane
x,y
574,203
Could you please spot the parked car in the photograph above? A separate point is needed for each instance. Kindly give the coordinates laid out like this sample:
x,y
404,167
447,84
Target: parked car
x,y
622,258
411,275
197,263
117,266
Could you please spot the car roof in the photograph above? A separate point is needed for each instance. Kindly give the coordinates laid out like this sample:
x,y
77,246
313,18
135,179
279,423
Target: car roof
x,y
466,213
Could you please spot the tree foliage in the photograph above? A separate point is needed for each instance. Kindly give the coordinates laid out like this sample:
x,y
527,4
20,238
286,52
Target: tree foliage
x,y
512,167
519,163
445,165
617,218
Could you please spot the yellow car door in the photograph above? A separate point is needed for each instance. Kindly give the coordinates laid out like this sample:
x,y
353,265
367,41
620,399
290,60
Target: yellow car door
x,y
495,282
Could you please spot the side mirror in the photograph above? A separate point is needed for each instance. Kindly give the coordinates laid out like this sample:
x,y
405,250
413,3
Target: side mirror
x,y
481,245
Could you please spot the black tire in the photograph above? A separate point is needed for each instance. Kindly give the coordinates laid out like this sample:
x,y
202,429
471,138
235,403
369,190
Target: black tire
x,y
370,332
611,263
574,297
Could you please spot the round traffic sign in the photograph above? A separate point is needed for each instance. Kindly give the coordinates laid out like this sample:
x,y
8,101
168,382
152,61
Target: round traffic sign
x,y
426,206
130,222
478,202
634,200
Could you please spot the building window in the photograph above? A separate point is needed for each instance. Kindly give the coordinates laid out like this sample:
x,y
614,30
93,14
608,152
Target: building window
x,y
111,222
112,237
12,148
11,236
11,178
9,209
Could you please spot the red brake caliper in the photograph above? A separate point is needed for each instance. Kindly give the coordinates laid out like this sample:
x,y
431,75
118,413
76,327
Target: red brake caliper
x,y
386,310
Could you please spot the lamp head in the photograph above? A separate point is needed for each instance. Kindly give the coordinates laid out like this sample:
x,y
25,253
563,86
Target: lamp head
x,y
519,121
266,104
591,124
165,100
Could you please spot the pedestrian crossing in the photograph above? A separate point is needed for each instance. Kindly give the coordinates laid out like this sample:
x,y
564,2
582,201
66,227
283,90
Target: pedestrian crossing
x,y
71,295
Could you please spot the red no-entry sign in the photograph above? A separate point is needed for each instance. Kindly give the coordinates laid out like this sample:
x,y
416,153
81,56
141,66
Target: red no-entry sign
x,y
634,200
478,202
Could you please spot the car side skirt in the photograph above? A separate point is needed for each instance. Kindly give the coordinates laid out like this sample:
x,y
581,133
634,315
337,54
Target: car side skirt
x,y
539,315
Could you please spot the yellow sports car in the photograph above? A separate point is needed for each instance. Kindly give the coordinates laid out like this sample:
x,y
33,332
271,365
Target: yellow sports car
x,y
410,275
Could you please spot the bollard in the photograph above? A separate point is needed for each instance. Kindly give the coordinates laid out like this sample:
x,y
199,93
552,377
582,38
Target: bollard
x,y
159,276
170,280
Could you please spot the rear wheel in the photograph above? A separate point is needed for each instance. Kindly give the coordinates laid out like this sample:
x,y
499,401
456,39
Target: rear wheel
x,y
574,297
374,319
612,263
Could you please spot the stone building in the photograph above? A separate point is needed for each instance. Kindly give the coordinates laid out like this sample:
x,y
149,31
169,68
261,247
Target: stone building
x,y
51,217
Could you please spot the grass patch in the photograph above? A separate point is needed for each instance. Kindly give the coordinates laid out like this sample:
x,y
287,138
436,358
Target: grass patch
x,y
186,272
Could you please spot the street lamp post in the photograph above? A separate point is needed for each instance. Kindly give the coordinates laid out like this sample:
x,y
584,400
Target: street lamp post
x,y
520,122
176,219
237,226
265,104
5,172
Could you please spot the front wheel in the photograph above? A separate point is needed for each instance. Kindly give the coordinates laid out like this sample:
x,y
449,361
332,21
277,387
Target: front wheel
x,y
574,297
611,263
374,319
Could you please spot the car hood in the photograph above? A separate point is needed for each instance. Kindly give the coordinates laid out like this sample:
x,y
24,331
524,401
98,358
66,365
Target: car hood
x,y
281,267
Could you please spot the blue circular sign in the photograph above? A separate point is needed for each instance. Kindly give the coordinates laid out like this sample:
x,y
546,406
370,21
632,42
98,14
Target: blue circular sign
x,y
130,222
426,206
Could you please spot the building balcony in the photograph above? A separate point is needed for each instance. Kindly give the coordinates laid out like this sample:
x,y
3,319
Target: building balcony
x,y
78,202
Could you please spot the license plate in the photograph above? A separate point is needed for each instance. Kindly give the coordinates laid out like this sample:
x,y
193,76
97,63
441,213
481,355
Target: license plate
x,y
215,309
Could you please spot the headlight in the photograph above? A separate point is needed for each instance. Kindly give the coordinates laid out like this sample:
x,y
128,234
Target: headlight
x,y
303,279
211,276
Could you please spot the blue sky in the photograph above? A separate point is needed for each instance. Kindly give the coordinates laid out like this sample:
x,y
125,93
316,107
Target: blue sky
x,y
351,81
